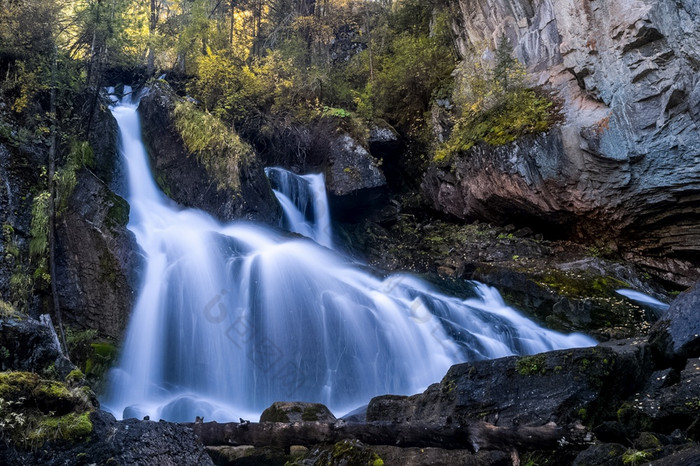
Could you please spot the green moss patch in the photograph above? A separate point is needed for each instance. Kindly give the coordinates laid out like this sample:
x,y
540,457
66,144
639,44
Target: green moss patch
x,y
35,410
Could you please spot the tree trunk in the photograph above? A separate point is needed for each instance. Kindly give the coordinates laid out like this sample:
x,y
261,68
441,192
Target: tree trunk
x,y
474,436
151,39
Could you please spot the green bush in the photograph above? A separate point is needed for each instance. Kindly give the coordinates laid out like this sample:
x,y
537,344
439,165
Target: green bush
x,y
523,112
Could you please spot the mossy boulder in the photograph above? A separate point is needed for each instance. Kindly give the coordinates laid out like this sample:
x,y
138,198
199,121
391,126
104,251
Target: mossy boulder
x,y
347,452
297,412
35,410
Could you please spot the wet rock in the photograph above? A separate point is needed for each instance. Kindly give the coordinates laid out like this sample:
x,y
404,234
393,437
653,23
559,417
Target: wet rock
x,y
297,411
676,336
603,454
30,346
673,405
689,456
353,178
559,386
186,181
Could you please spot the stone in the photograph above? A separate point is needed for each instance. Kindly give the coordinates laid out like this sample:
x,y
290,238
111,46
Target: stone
x,y
354,180
395,456
112,442
559,386
675,405
286,411
602,454
97,259
676,336
28,345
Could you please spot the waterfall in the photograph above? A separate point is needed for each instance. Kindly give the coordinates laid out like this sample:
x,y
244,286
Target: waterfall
x,y
230,318
305,203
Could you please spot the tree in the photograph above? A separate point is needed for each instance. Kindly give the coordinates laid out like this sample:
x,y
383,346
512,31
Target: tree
x,y
506,68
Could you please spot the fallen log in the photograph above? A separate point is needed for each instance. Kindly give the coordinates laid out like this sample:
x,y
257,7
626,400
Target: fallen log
x,y
474,436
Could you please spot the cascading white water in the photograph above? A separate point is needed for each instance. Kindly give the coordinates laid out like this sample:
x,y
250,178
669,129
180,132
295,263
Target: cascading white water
x,y
230,318
304,202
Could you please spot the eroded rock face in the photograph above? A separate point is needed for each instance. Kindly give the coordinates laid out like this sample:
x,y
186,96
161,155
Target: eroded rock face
x,y
186,181
625,166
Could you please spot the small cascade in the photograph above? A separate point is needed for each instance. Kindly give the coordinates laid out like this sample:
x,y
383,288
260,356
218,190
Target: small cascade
x,y
656,307
305,203
230,318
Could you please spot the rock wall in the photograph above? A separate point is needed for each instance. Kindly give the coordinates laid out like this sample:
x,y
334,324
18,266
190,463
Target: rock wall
x,y
97,258
17,177
624,168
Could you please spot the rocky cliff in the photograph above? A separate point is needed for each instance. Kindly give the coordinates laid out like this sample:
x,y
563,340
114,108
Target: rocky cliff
x,y
624,167
97,258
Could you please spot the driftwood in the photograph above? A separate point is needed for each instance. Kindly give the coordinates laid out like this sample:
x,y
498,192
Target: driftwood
x,y
474,436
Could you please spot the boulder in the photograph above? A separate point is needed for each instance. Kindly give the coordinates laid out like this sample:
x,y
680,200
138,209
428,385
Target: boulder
x,y
559,386
185,180
670,400
676,336
297,411
626,73
30,346
353,178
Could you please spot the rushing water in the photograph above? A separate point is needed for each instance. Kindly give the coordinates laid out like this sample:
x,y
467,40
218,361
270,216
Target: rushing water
x,y
230,318
304,202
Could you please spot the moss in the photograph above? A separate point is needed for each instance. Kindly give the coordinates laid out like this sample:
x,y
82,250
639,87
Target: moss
x,y
633,418
118,212
274,414
522,112
76,375
647,441
581,285
108,269
531,365
35,410
354,452
14,385
103,356
635,457
71,427
162,183
311,413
